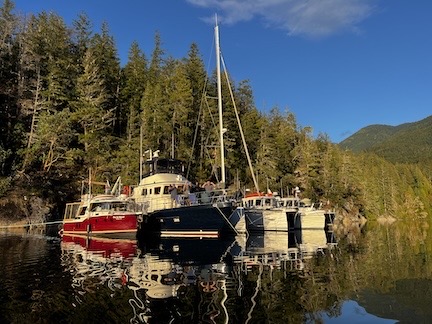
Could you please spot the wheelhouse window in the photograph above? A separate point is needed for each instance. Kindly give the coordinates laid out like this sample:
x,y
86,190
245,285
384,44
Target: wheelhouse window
x,y
157,190
268,202
100,207
144,192
166,190
118,207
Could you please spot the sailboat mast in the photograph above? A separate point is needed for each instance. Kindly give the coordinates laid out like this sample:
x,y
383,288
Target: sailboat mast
x,y
219,90
141,155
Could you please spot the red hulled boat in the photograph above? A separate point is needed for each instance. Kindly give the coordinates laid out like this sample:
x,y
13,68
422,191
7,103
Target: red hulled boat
x,y
103,215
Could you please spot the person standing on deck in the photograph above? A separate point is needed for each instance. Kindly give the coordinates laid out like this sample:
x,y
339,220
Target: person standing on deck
x,y
208,186
173,191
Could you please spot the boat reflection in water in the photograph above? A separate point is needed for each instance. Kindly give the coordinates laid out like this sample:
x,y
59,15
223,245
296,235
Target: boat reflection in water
x,y
282,249
195,279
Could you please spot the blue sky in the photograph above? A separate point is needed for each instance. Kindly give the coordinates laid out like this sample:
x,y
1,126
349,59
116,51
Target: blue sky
x,y
338,65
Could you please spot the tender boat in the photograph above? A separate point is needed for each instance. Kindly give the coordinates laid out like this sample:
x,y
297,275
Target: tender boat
x,y
310,216
267,212
248,217
102,215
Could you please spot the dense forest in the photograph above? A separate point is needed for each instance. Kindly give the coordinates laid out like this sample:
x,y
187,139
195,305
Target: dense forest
x,y
68,106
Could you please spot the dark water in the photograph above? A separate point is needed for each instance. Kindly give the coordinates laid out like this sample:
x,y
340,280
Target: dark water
x,y
381,274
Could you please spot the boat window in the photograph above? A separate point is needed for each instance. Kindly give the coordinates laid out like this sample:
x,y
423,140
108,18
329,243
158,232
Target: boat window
x,y
157,190
83,210
100,206
169,166
166,190
150,191
144,192
118,206
258,202
268,202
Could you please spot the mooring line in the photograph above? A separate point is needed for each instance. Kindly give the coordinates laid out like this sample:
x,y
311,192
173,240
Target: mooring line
x,y
28,225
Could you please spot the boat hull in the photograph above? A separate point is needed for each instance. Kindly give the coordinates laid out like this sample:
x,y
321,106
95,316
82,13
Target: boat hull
x,y
256,220
317,219
191,221
116,225
260,220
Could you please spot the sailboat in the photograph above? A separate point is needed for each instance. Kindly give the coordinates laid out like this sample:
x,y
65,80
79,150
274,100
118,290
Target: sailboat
x,y
174,207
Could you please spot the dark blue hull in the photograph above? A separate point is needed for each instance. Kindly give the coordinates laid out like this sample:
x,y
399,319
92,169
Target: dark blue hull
x,y
192,221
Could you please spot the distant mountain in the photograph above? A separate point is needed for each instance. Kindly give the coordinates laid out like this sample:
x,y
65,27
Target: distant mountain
x,y
405,143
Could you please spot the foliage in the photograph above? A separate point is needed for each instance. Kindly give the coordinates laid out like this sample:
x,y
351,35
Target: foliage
x,y
67,106
405,143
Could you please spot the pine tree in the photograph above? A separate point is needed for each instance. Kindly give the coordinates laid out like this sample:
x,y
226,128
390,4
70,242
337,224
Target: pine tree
x,y
9,112
81,36
105,57
251,124
134,81
180,100
53,144
153,100
90,113
46,69
197,78
135,76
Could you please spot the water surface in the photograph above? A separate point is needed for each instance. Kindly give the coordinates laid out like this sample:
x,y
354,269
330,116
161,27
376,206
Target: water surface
x,y
381,274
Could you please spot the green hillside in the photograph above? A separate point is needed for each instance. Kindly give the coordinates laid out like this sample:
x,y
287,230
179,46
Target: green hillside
x,y
405,143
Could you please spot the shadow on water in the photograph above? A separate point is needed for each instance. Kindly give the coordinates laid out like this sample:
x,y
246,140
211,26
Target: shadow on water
x,y
301,276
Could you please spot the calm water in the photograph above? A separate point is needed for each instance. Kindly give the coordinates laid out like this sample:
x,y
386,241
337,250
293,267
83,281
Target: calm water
x,y
381,274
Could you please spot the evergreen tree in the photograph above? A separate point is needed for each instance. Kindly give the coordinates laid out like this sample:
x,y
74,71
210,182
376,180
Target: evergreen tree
x,y
81,36
53,144
105,57
135,76
305,160
157,61
45,72
90,113
180,100
153,100
244,103
134,81
9,113
266,166
197,78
